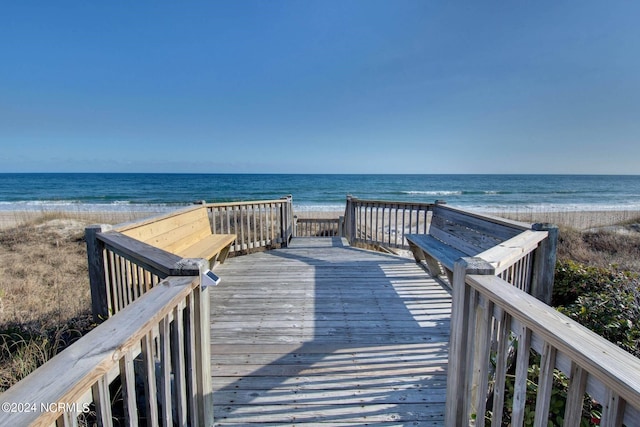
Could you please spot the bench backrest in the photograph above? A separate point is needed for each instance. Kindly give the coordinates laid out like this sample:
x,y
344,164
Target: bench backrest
x,y
469,233
175,232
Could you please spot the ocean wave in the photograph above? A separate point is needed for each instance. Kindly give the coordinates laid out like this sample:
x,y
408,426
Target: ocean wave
x,y
80,206
453,192
312,206
318,207
550,207
433,193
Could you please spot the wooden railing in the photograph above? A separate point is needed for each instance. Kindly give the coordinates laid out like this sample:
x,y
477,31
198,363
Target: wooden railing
x,y
384,223
147,362
492,321
257,224
157,347
318,227
121,269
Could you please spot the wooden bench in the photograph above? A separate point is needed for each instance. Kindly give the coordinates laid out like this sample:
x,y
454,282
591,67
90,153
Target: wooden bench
x,y
454,234
185,233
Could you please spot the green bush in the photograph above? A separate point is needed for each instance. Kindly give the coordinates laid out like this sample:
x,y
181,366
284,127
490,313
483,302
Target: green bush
x,y
604,300
591,411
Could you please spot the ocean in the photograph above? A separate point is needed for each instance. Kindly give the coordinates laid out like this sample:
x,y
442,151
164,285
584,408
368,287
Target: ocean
x,y
162,192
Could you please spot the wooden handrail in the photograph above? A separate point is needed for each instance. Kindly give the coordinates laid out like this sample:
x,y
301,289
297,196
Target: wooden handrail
x,y
147,256
69,379
309,227
617,369
384,223
122,268
245,203
511,251
256,224
493,310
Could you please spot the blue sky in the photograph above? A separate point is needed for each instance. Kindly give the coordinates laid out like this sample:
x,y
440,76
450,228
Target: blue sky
x,y
320,86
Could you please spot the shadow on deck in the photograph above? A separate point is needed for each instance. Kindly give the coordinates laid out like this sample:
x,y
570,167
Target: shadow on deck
x,y
322,332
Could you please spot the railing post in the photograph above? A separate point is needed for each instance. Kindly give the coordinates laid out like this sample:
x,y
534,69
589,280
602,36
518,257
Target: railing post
x,y
295,226
97,274
203,348
202,329
458,370
350,220
544,263
286,219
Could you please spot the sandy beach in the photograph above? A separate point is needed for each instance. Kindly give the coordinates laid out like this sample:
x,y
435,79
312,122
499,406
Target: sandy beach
x,y
10,219
580,220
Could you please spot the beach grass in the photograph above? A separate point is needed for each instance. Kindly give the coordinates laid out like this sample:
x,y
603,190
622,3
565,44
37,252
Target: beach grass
x,y
45,301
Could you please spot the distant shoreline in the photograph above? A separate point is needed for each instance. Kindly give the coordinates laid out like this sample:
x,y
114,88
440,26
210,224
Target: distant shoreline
x,y
578,219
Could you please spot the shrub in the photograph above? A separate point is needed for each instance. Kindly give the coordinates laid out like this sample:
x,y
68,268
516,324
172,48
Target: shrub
x,y
591,411
573,279
612,311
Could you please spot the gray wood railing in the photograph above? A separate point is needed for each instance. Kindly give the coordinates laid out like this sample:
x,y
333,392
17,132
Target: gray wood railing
x,y
491,320
156,347
318,227
121,268
384,223
257,224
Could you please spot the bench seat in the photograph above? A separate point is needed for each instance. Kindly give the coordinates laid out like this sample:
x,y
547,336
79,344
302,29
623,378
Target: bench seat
x,y
431,250
214,247
185,233
454,234
447,255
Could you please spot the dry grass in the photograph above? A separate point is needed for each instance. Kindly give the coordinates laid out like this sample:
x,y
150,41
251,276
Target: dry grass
x,y
45,301
600,239
44,293
608,247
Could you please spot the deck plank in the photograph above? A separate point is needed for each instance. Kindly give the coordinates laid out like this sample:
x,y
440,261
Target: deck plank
x,y
322,333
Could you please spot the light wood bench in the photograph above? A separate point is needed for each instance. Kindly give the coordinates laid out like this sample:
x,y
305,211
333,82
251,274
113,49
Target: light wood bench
x,y
186,234
454,234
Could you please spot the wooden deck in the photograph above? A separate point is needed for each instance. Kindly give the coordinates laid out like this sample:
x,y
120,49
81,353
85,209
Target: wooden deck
x,y
323,333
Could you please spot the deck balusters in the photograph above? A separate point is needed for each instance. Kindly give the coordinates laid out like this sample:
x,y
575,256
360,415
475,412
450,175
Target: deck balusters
x,y
384,223
259,224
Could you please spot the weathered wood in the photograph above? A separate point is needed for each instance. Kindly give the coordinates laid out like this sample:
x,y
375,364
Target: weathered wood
x,y
384,223
613,374
575,396
322,332
151,258
457,409
521,377
502,356
97,279
257,224
507,253
545,386
84,365
544,264
478,367
435,250
490,225
316,227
